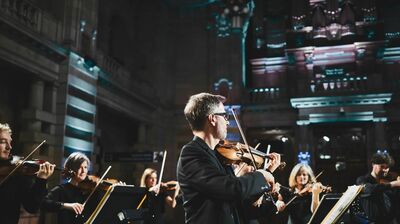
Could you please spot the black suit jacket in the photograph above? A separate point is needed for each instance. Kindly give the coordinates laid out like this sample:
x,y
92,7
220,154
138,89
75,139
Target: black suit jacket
x,y
211,192
20,190
379,201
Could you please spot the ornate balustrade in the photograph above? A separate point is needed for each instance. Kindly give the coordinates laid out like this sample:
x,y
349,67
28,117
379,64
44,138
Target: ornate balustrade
x,y
27,14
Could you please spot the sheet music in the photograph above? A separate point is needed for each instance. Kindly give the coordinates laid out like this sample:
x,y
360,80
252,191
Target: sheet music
x,y
343,203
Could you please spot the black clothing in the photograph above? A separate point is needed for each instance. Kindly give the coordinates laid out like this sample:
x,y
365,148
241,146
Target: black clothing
x,y
156,206
379,201
300,209
20,190
211,191
63,193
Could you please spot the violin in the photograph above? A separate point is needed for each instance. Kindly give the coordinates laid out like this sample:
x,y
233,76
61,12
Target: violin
x,y
169,186
91,181
28,167
390,176
309,187
235,152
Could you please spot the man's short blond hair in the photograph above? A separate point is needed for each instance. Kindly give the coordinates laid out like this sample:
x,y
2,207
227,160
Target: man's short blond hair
x,y
5,127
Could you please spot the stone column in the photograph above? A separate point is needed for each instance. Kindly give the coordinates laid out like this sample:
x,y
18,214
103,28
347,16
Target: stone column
x,y
50,96
380,136
36,103
73,23
142,133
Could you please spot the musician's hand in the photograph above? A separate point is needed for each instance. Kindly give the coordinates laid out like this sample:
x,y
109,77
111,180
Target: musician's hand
x,y
242,169
317,188
259,201
274,161
155,189
277,187
45,170
268,177
395,184
280,205
177,189
76,207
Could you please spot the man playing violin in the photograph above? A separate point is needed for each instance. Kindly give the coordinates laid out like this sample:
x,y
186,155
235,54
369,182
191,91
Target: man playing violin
x,y
211,191
17,189
380,197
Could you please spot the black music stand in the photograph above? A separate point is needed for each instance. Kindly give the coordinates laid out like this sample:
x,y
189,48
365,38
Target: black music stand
x,y
111,206
325,205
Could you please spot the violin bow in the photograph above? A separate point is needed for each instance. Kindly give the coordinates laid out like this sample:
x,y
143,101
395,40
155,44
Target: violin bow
x,y
244,139
248,149
159,179
20,164
162,169
98,183
266,159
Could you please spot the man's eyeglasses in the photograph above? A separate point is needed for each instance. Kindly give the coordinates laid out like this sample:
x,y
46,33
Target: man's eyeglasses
x,y
224,114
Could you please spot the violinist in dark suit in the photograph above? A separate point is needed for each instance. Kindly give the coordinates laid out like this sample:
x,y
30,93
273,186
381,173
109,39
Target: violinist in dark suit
x,y
18,189
211,191
380,198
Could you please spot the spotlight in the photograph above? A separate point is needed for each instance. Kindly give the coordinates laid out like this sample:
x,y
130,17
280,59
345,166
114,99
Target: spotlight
x,y
80,61
355,138
340,166
89,63
326,138
284,139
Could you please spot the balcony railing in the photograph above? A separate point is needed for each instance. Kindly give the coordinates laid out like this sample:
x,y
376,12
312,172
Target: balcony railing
x,y
25,13
117,76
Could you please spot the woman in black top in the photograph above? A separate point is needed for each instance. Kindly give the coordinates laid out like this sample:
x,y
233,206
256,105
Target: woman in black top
x,y
66,199
301,180
158,197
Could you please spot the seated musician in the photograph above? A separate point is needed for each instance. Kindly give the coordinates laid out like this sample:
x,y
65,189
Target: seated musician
x,y
66,199
158,196
380,197
19,189
211,191
303,185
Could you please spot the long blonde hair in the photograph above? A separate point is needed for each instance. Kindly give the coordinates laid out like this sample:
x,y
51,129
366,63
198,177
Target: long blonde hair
x,y
146,173
296,170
